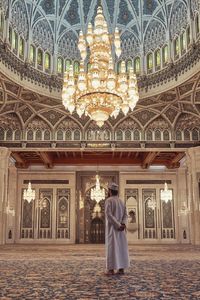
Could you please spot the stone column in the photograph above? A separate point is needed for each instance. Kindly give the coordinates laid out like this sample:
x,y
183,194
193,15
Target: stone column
x,y
11,228
183,232
4,162
193,164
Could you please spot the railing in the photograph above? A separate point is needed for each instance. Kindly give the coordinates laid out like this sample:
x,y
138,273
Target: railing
x,y
170,72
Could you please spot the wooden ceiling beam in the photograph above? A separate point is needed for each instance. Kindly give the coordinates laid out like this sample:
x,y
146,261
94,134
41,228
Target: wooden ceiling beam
x,y
46,159
149,159
175,162
20,162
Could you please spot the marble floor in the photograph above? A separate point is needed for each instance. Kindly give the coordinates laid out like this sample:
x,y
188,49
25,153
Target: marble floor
x,y
76,272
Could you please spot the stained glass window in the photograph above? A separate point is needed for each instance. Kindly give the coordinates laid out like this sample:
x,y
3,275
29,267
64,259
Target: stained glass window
x,y
76,67
47,135
15,40
67,64
1,134
157,58
60,65
40,57
197,24
1,22
21,46
176,46
149,61
188,35
137,65
165,54
128,65
32,53
183,41
47,61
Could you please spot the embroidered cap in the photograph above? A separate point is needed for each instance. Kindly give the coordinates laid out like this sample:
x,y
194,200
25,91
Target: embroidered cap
x,y
113,186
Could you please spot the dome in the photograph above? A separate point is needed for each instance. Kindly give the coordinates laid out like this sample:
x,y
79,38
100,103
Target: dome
x,y
153,33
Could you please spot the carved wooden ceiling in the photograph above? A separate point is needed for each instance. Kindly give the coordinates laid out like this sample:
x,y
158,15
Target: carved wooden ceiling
x,y
143,159
178,108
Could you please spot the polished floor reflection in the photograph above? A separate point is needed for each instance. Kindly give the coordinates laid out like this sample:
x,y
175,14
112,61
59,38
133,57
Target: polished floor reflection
x,y
77,272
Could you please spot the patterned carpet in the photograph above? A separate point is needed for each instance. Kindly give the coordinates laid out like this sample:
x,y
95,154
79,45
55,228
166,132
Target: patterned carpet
x,y
76,272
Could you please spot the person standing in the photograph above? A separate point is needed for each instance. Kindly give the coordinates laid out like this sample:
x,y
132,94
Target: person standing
x,y
117,257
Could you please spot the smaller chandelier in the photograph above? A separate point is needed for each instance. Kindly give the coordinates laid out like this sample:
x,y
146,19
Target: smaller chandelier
x,y
152,202
98,91
97,193
29,194
166,194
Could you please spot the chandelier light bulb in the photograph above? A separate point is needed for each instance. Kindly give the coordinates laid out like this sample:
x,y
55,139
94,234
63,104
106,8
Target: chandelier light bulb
x,y
97,193
28,193
99,91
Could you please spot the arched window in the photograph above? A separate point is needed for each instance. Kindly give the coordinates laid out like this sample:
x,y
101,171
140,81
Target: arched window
x,y
67,64
77,135
157,59
149,62
15,41
178,135
136,135
9,135
166,135
119,67
137,66
186,135
68,135
76,67
30,135
127,135
17,135
32,54
40,58
60,65
183,42
176,48
128,65
10,35
47,135
38,135
149,135
119,135
188,36
21,47
1,24
165,55
47,61
1,134
195,134
60,135
157,135
197,26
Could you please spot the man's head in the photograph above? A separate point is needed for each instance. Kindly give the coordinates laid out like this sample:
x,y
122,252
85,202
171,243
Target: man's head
x,y
113,189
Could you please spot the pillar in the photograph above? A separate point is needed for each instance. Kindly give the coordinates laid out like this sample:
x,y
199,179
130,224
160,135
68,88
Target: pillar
x,y
4,163
193,165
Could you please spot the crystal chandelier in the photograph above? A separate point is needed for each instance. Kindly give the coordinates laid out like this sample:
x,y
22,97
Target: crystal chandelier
x,y
166,194
152,202
29,194
97,193
98,90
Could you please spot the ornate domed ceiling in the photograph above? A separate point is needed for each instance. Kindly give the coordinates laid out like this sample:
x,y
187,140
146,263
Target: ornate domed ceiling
x,y
144,25
168,119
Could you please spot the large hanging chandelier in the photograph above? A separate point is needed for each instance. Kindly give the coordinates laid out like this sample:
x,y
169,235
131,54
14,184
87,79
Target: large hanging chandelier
x,y
29,194
97,193
166,194
98,90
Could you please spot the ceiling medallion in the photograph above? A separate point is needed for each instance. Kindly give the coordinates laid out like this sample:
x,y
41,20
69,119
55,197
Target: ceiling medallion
x,y
98,90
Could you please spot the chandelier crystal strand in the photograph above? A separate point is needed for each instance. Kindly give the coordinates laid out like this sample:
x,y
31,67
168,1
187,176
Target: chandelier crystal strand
x,y
29,194
97,193
99,91
166,194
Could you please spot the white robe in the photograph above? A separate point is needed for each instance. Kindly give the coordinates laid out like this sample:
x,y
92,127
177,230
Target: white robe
x,y
116,241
